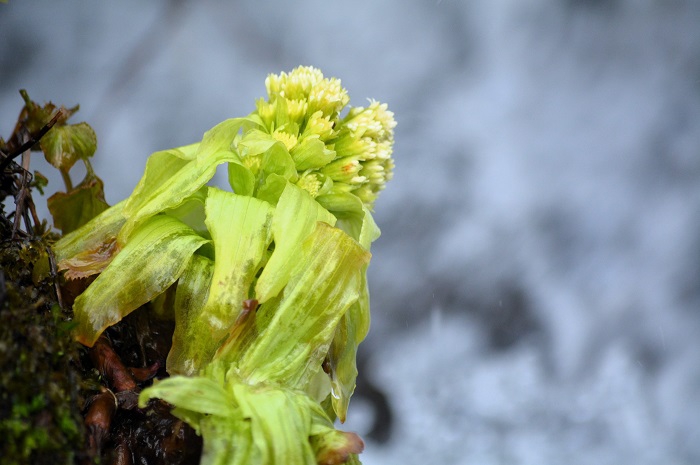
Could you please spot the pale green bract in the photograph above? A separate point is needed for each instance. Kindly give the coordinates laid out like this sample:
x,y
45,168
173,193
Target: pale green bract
x,y
269,279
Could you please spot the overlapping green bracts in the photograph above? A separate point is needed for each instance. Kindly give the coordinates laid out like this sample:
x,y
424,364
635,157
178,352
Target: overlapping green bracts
x,y
295,219
148,265
293,331
258,424
270,277
240,228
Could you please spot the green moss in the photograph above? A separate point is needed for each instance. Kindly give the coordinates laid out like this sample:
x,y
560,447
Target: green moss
x,y
39,418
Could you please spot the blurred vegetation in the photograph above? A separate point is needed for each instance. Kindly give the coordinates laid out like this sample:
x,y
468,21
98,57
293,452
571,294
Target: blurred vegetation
x,y
40,418
62,403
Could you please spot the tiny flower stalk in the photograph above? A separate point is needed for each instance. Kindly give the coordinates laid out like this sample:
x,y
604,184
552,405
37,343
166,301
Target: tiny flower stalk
x,y
269,278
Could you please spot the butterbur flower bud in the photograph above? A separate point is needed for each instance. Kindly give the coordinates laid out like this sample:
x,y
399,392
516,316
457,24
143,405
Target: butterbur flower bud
x,y
295,85
319,126
303,107
328,97
374,171
375,121
266,111
344,170
289,140
311,183
296,108
364,148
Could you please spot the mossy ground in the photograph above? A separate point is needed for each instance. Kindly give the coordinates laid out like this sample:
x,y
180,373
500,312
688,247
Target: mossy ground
x,y
48,379
40,419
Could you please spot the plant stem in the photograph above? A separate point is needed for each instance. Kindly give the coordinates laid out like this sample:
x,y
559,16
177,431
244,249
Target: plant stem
x,y
67,180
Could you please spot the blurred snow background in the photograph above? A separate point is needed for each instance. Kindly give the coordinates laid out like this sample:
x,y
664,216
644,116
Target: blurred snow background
x,y
537,285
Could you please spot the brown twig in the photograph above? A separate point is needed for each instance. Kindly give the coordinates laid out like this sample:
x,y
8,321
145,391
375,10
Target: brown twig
x,y
33,139
21,199
54,276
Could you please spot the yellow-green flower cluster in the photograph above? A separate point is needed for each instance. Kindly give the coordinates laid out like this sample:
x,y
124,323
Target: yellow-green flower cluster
x,y
303,108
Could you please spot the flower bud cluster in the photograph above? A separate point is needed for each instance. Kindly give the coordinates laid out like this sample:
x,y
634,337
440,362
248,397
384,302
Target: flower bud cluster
x,y
304,107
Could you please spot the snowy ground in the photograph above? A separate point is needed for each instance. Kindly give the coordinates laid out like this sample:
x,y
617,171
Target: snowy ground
x,y
536,288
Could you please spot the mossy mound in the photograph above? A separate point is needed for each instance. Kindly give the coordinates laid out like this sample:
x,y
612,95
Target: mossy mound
x,y
40,420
